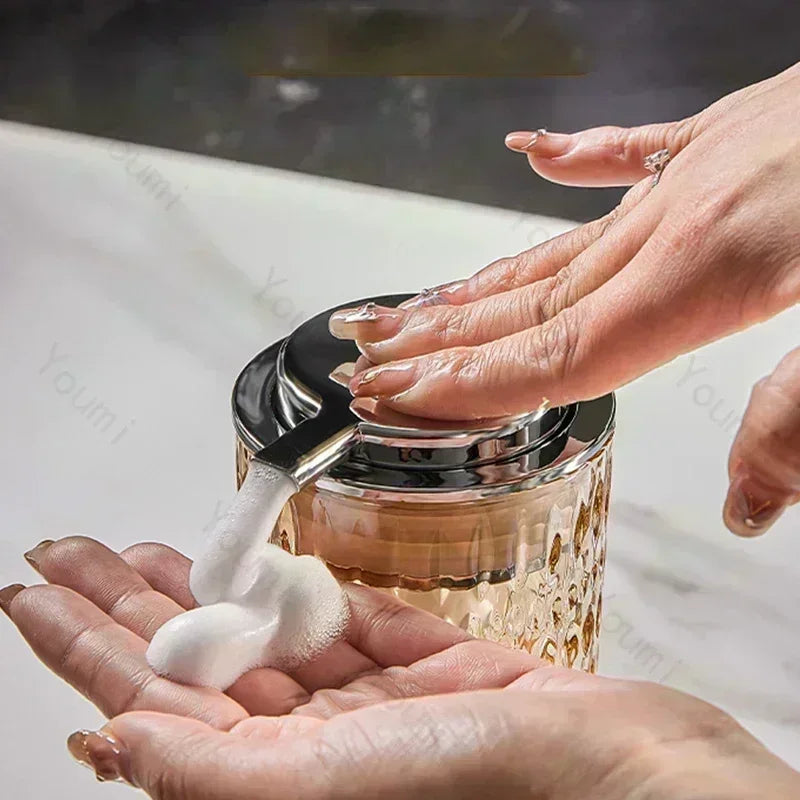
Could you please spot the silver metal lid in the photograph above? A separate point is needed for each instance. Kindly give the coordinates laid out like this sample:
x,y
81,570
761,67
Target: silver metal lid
x,y
288,410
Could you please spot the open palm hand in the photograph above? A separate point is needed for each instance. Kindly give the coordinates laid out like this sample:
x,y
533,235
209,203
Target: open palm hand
x,y
406,703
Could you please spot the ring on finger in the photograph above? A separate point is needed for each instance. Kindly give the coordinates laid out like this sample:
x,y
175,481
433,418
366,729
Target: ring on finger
x,y
656,163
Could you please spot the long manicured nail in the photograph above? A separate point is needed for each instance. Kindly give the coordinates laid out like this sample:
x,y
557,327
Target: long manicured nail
x,y
751,509
541,142
435,296
7,594
522,141
384,381
372,409
34,556
345,324
344,373
101,752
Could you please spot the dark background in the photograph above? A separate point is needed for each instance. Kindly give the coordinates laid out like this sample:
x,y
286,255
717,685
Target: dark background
x,y
336,88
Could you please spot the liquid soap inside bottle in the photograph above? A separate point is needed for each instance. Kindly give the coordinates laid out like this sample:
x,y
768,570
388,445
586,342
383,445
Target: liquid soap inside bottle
x,y
523,568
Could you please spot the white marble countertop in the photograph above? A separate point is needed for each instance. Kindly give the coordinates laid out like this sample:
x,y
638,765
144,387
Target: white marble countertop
x,y
143,280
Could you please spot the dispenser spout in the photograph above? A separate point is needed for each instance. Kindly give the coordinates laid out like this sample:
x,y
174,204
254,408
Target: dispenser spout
x,y
313,447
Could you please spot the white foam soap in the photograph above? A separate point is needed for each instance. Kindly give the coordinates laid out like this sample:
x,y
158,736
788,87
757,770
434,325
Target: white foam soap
x,y
259,605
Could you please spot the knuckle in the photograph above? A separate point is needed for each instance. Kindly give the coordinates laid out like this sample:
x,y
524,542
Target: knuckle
x,y
138,695
73,646
514,265
716,205
528,265
682,132
468,364
618,141
632,144
80,657
638,142
500,274
701,222
587,234
447,325
538,305
715,725
549,297
533,264
172,781
557,343
128,596
169,785
562,289
646,141
715,208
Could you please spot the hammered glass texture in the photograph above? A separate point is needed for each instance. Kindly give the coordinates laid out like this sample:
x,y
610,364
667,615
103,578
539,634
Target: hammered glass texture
x,y
553,545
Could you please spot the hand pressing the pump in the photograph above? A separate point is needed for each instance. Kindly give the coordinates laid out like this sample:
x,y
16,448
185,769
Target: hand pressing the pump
x,y
712,248
407,705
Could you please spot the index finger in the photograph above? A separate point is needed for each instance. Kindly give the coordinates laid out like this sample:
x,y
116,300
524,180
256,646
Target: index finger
x,y
539,262
383,630
590,348
105,661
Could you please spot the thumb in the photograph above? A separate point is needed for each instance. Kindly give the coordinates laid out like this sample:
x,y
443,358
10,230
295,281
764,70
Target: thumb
x,y
764,464
171,757
606,156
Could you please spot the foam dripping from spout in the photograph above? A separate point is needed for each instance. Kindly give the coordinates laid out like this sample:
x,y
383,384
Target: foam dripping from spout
x,y
259,605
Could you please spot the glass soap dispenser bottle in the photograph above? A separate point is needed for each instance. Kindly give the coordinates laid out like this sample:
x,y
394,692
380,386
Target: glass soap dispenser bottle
x,y
497,526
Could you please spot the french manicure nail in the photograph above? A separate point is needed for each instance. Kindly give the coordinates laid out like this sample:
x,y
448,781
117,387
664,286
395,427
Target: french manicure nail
x,y
7,594
344,324
99,751
435,296
384,381
750,509
34,556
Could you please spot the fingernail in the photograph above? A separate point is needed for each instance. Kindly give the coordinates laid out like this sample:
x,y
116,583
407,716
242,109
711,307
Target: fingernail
x,y
34,556
101,752
7,594
523,141
344,324
435,296
344,373
542,142
385,381
750,509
